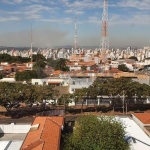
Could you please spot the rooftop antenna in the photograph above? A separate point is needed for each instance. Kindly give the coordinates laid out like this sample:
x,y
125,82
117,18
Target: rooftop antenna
x,y
104,42
31,48
75,34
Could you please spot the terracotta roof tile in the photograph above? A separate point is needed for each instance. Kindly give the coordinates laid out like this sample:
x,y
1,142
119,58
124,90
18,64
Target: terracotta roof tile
x,y
35,135
47,136
143,117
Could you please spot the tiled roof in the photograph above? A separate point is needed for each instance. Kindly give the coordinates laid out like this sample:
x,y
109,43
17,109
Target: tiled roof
x,y
143,117
80,63
47,136
57,72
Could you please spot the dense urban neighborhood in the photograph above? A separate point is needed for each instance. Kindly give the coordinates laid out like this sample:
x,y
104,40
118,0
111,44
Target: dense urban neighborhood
x,y
70,100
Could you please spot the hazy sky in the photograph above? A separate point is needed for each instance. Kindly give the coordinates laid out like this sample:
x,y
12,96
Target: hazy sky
x,y
53,22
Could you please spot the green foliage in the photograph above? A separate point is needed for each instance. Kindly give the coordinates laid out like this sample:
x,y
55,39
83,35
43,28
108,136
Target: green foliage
x,y
1,76
118,86
38,57
38,67
83,68
64,99
123,68
25,75
12,93
97,133
5,58
59,64
39,64
134,58
51,62
13,59
80,96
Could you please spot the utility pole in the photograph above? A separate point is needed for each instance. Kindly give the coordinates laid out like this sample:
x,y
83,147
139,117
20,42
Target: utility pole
x,y
123,97
126,108
104,42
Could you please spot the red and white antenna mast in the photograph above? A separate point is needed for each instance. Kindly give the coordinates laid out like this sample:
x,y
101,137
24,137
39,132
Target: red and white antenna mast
x,y
75,34
104,42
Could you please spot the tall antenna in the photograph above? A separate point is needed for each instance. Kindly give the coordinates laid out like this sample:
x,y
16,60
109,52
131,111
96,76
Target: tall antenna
x,y
31,48
75,34
104,42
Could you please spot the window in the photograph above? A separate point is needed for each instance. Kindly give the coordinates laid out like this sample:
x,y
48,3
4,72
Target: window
x,y
36,83
44,83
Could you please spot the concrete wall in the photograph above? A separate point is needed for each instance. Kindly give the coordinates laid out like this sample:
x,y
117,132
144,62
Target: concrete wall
x,y
72,88
47,80
12,128
144,80
10,80
138,122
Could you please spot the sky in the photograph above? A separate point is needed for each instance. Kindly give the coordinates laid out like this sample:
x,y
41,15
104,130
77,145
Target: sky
x,y
53,22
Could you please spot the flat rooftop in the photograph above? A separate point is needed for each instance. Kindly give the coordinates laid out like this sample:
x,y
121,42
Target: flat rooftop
x,y
10,145
141,140
12,136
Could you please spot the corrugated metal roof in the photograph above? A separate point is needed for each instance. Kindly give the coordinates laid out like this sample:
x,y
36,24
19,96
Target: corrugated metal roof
x,y
3,144
10,145
15,145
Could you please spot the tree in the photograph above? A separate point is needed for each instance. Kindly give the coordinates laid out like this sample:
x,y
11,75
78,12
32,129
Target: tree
x,y
81,95
83,68
38,57
64,100
97,133
123,68
61,65
93,93
38,67
134,58
13,59
120,86
25,75
10,95
1,76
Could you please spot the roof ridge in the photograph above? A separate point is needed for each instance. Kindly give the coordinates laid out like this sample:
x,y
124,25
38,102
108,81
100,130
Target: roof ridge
x,y
54,121
43,128
33,144
147,121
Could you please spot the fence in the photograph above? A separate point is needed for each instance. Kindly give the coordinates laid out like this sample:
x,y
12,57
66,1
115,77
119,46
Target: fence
x,y
12,128
51,113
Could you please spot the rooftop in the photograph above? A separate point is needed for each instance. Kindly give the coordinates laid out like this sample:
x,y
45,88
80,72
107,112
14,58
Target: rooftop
x,y
135,135
46,136
143,117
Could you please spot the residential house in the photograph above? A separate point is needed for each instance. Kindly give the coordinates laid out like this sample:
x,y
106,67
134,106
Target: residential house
x,y
45,134
74,66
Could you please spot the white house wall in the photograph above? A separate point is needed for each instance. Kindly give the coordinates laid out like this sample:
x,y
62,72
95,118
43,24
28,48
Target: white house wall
x,y
39,81
47,80
12,128
138,122
72,88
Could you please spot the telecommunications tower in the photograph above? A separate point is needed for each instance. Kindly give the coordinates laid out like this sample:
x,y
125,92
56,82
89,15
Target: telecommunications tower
x,y
31,49
104,42
75,34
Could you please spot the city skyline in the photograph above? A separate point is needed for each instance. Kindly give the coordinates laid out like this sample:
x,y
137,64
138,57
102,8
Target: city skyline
x,y
53,22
